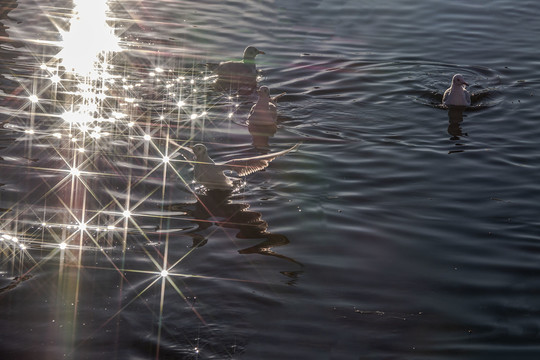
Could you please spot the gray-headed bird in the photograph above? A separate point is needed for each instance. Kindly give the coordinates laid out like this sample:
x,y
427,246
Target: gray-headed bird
x,y
243,71
264,112
262,119
456,95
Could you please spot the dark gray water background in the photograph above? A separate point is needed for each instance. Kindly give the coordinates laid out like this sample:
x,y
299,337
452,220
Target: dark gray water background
x,y
396,231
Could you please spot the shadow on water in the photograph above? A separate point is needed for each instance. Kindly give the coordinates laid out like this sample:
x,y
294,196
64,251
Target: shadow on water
x,y
15,282
216,207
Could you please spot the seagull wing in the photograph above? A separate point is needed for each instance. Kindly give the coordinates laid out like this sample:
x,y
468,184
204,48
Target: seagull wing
x,y
251,111
274,99
231,68
467,97
246,166
445,96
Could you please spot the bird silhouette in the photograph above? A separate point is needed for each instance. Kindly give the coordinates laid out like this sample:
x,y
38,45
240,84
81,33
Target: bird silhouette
x,y
211,174
240,72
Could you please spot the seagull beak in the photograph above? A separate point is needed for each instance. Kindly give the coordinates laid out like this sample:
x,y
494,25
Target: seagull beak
x,y
261,52
465,83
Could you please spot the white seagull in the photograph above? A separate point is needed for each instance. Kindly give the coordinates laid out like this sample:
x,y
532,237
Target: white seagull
x,y
210,174
456,95
243,71
264,112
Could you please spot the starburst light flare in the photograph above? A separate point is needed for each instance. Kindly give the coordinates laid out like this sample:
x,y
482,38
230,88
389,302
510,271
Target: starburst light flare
x,y
103,172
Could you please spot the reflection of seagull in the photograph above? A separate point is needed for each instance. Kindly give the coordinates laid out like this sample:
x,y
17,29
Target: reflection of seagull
x,y
456,95
455,118
210,174
243,71
216,207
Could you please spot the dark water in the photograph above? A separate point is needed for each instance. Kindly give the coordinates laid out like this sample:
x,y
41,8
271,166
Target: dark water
x,y
398,230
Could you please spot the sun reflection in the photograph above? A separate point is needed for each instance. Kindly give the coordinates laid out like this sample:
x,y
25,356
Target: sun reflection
x,y
55,79
88,39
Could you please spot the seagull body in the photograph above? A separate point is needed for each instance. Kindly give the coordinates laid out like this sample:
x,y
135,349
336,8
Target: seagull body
x,y
210,174
456,95
262,119
264,112
243,71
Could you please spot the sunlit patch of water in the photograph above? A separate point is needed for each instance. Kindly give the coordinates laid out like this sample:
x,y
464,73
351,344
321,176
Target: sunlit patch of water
x,y
89,41
102,134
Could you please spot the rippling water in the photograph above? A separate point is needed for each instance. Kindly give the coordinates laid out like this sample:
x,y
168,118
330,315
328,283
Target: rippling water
x,y
398,229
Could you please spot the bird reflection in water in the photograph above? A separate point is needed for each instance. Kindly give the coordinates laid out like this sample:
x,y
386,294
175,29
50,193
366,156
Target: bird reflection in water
x,y
455,119
218,204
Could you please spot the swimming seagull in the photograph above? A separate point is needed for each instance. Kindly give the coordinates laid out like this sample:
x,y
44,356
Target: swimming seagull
x,y
456,95
264,112
210,174
262,119
243,71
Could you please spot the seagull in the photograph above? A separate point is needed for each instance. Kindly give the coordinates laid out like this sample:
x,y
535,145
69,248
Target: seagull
x,y
210,174
262,119
456,95
264,112
243,71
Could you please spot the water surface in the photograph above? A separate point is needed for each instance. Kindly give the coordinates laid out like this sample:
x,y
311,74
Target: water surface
x,y
398,229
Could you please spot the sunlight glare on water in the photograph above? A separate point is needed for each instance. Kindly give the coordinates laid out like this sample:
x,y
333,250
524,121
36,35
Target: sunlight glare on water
x,y
89,40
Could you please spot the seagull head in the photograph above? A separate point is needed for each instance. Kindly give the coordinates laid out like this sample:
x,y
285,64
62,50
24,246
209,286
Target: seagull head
x,y
200,151
458,80
263,91
251,52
